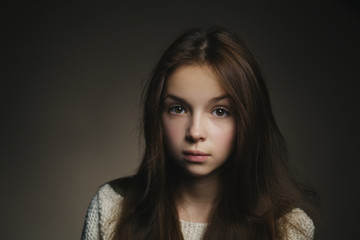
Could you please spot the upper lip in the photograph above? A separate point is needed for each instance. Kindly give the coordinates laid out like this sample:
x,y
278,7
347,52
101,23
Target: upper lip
x,y
195,153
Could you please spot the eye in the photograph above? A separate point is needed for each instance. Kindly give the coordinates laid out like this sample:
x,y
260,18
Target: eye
x,y
220,112
176,109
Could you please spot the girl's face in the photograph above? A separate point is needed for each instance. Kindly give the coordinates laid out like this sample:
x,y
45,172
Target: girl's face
x,y
199,129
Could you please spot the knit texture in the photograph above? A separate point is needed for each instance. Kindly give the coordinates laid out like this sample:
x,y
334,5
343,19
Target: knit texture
x,y
104,209
192,231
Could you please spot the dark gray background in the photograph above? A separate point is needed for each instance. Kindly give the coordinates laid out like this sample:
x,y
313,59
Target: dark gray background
x,y
71,84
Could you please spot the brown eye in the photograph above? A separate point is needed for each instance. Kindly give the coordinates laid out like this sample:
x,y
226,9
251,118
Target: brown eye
x,y
177,109
220,112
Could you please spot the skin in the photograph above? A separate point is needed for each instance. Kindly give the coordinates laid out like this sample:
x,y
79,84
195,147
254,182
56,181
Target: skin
x,y
199,133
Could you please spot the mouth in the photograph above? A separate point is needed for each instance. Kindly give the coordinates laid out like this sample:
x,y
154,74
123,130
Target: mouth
x,y
195,156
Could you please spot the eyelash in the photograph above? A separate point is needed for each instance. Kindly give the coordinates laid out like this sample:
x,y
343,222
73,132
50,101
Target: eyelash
x,y
225,111
172,109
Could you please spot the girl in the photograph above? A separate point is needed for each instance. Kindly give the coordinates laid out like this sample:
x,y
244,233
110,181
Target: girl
x,y
215,162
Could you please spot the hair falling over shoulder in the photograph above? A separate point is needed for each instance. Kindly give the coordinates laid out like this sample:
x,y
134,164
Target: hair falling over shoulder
x,y
257,187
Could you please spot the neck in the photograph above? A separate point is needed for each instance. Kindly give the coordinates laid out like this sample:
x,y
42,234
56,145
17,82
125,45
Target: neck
x,y
197,197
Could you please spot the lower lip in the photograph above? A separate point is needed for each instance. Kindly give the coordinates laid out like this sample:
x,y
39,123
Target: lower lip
x,y
196,158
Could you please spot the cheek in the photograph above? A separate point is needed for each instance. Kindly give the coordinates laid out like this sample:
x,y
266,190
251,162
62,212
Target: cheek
x,y
173,133
224,138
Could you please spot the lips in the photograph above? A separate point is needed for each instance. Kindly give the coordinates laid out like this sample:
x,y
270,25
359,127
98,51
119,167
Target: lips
x,y
196,156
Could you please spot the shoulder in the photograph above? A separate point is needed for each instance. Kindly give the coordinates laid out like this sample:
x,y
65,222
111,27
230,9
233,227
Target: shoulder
x,y
110,196
119,186
104,209
114,190
296,225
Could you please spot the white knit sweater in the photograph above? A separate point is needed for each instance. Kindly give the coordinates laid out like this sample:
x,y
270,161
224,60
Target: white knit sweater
x,y
99,222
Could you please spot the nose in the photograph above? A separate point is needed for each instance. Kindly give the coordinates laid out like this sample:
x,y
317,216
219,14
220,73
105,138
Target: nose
x,y
197,130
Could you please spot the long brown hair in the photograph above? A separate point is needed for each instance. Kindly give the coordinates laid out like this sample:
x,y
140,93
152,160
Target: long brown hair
x,y
257,187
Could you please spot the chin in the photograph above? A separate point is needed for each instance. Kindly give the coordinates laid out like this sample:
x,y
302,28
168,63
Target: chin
x,y
200,173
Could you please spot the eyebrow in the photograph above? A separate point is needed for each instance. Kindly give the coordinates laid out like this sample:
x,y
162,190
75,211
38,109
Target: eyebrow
x,y
180,99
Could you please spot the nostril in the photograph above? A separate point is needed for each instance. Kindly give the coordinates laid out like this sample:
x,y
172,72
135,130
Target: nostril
x,y
195,134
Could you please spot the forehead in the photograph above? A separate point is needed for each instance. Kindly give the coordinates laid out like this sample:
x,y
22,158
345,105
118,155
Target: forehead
x,y
194,80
